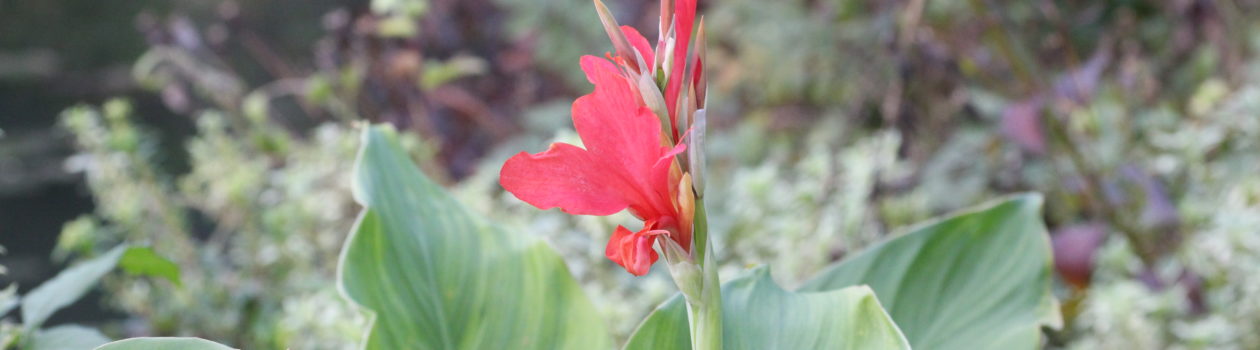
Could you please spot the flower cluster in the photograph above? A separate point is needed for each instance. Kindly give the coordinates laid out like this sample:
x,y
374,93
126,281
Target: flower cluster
x,y
640,129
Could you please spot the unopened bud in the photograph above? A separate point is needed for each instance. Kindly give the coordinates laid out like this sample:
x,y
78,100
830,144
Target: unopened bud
x,y
654,100
667,19
695,152
686,201
667,58
701,81
684,270
619,41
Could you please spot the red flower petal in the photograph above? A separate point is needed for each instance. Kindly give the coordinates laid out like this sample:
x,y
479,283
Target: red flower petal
x,y
633,250
563,176
593,66
623,135
641,44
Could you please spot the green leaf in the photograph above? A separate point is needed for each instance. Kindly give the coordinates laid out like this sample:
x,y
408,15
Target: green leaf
x,y
144,261
436,276
71,284
67,287
975,280
757,314
66,337
164,344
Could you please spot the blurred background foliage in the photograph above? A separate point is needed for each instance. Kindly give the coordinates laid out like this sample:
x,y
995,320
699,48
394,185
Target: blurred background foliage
x,y
223,132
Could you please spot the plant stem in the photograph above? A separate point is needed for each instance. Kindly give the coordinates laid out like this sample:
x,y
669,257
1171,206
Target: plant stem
x,y
700,232
706,320
705,314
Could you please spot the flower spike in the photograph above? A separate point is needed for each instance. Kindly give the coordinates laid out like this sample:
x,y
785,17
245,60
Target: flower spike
x,y
635,156
684,15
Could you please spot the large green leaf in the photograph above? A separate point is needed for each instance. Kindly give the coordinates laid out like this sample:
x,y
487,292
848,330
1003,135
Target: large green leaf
x,y
70,285
976,280
65,338
757,314
164,344
436,276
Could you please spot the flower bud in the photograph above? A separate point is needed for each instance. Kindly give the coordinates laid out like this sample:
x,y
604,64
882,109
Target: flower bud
x,y
687,274
695,153
620,43
700,83
686,202
653,99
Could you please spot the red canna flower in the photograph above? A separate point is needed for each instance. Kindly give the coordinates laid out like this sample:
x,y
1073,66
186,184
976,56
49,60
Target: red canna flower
x,y
631,129
624,165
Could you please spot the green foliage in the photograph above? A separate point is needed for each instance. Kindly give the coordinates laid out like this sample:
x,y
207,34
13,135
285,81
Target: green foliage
x,y
399,17
1213,159
70,285
147,262
163,344
255,224
976,280
811,190
438,277
937,283
437,73
65,338
63,290
622,299
757,314
832,122
783,52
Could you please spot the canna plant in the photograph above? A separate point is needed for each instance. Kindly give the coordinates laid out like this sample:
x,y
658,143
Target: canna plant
x,y
436,275
646,111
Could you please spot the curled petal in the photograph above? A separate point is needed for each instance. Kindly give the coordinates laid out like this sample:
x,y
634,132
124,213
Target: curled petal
x,y
633,250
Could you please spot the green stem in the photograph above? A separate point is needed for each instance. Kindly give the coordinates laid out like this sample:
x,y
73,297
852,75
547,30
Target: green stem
x,y
700,232
705,314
